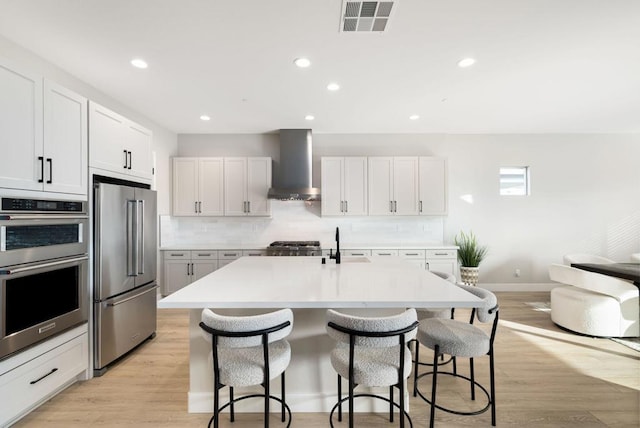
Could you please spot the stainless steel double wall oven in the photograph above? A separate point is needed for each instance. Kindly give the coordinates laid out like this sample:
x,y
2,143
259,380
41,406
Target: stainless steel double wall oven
x,y
43,270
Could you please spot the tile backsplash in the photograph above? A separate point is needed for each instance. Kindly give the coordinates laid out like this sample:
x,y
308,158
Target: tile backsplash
x,y
297,220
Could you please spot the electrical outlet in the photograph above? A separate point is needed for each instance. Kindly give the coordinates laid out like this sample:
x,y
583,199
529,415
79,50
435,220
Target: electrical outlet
x,y
516,273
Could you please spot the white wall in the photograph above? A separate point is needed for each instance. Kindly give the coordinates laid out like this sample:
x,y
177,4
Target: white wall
x,y
164,141
585,192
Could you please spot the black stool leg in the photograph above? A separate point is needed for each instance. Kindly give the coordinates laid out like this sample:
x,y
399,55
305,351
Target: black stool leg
x,y
216,405
266,403
401,400
493,389
415,370
232,412
436,351
391,403
339,399
282,395
473,379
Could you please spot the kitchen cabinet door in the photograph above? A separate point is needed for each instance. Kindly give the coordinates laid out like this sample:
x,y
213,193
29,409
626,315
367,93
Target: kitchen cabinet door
x,y
211,186
246,184
355,185
235,186
137,140
331,185
405,186
65,140
185,186
433,186
177,274
201,268
118,144
344,186
21,166
380,177
258,184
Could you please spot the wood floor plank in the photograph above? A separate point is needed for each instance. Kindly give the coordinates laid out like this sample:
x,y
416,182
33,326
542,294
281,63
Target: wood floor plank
x,y
545,377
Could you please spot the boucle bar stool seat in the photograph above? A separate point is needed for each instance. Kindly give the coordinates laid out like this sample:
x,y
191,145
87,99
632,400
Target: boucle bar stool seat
x,y
372,352
246,351
460,339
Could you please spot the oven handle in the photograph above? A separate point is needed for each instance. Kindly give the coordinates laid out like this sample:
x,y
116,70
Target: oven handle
x,y
119,302
13,271
42,217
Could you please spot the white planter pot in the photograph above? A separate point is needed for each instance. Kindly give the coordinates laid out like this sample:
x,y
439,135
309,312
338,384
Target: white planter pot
x,y
469,275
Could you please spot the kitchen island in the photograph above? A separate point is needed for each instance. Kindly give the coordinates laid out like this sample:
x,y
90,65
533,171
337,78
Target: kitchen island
x,y
249,285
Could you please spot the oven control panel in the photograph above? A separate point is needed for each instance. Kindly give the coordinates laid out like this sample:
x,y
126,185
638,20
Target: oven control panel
x,y
41,205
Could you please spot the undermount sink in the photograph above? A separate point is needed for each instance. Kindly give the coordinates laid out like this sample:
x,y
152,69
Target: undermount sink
x,y
354,260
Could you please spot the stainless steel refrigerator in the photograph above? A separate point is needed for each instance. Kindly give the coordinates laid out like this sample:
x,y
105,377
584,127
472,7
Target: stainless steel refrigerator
x,y
124,270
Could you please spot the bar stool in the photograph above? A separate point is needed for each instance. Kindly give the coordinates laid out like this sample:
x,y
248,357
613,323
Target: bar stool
x,y
372,352
461,339
248,350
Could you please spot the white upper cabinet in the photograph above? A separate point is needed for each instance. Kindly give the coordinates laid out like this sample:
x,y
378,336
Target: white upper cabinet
x,y
393,186
43,133
65,140
433,186
118,145
344,186
198,186
246,184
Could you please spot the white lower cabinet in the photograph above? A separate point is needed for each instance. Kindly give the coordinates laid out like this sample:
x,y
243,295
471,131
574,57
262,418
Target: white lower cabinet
x,y
415,257
35,375
442,260
183,267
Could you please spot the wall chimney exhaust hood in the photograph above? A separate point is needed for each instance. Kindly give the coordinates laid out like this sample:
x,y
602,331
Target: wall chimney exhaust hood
x,y
293,178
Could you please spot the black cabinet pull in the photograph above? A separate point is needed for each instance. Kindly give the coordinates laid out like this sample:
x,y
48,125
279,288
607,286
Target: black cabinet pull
x,y
50,162
125,159
33,382
129,160
41,160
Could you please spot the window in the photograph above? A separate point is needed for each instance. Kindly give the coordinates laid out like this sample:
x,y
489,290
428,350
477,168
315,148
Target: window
x,y
514,181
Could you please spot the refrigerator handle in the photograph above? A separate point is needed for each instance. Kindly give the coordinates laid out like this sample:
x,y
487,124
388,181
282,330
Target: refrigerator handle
x,y
140,237
132,242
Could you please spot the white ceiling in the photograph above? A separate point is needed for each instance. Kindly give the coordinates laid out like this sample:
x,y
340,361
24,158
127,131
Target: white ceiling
x,y
543,66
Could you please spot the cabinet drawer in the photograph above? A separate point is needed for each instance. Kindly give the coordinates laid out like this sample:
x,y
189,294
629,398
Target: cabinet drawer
x,y
412,254
254,253
435,254
204,255
356,253
177,255
229,254
27,385
384,252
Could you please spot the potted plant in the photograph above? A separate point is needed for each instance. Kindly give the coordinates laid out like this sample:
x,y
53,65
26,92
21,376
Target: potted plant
x,y
470,254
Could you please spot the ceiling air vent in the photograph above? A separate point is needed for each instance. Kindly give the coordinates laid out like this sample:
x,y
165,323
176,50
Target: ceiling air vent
x,y
365,16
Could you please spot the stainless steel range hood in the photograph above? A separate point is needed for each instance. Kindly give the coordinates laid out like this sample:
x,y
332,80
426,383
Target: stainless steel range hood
x,y
293,180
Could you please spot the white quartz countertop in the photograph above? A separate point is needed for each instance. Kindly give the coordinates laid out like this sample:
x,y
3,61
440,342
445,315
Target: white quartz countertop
x,y
324,247
303,282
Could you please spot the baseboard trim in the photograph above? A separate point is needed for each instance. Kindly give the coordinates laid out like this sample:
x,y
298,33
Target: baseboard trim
x,y
518,287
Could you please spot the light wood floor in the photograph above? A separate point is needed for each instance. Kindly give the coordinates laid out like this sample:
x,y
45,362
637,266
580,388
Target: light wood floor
x,y
545,378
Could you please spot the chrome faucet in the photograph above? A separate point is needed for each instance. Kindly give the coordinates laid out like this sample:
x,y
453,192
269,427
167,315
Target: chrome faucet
x,y
337,255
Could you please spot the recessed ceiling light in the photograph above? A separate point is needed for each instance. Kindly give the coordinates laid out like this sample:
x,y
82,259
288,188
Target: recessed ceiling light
x,y
414,117
302,62
139,63
467,62
205,117
333,86
309,117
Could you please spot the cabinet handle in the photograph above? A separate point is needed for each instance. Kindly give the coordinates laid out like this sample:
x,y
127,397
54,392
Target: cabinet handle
x,y
177,254
204,255
346,206
384,254
199,207
129,160
341,206
230,254
420,206
41,160
33,382
125,159
411,254
195,207
395,206
441,254
50,162
357,254
391,206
